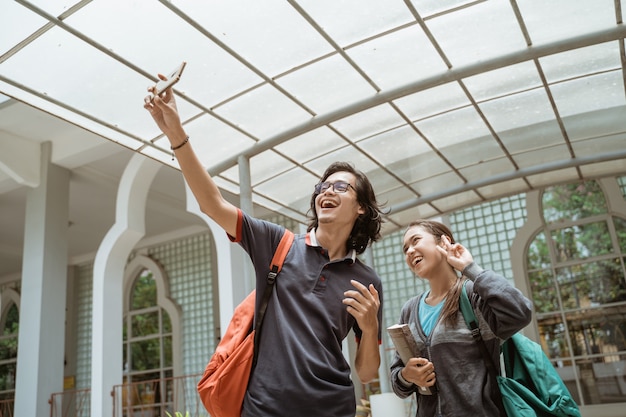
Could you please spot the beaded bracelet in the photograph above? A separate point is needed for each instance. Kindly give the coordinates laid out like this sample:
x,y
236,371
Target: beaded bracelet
x,y
173,148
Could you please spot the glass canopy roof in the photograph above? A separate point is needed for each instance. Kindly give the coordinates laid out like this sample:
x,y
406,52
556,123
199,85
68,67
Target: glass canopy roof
x,y
443,103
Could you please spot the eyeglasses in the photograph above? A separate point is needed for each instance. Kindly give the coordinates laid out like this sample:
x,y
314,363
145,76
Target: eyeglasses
x,y
338,186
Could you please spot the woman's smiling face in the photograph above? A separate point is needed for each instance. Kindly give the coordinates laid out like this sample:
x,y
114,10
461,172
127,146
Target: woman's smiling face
x,y
420,250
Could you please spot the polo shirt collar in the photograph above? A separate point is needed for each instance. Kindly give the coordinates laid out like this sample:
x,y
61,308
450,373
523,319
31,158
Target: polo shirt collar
x,y
312,241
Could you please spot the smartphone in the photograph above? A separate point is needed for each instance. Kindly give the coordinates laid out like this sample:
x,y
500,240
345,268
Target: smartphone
x,y
172,79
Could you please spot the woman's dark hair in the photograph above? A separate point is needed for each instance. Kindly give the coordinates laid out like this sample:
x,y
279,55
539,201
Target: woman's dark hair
x,y
433,227
451,305
366,229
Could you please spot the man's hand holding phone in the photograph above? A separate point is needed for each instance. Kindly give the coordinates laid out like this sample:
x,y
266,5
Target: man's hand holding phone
x,y
164,110
167,81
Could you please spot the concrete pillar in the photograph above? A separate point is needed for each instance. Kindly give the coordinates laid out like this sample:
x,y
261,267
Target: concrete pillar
x,y
108,281
247,206
43,291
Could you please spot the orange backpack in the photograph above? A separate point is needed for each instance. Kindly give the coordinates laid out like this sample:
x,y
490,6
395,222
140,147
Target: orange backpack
x,y
225,380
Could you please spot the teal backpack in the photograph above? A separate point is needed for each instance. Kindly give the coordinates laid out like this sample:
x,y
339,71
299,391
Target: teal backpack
x,y
531,387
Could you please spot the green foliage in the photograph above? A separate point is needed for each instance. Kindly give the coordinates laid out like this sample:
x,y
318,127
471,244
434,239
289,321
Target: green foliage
x,y
144,292
573,201
620,228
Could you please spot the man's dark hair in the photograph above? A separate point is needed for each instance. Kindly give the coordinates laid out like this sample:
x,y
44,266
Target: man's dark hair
x,y
366,229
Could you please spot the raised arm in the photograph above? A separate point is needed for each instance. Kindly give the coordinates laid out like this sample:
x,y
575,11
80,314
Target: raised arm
x,y
165,113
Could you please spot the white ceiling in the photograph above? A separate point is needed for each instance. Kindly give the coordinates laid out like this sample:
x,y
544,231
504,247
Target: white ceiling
x,y
443,103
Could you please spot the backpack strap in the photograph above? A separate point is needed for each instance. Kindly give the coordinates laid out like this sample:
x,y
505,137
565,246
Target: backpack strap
x,y
277,264
468,313
472,323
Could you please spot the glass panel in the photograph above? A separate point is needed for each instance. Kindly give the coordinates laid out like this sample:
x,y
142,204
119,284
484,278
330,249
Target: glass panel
x,y
543,291
545,179
167,324
503,81
599,331
282,190
70,63
587,94
263,112
268,165
437,129
167,352
475,34
227,74
145,389
145,355
553,337
298,148
327,85
399,146
604,382
548,21
253,29
589,135
518,111
169,390
620,229
16,23
571,64
538,255
145,324
621,181
500,164
350,21
433,101
368,123
591,284
7,376
429,7
398,58
600,334
569,373
8,348
573,201
144,292
12,320
211,151
580,242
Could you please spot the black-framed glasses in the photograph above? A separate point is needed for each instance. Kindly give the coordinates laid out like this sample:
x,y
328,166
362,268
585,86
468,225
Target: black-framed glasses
x,y
338,186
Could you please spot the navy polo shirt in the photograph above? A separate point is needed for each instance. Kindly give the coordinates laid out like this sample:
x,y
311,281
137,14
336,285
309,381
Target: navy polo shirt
x,y
301,370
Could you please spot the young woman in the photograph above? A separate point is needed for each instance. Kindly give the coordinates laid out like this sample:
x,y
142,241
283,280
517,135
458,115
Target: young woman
x,y
448,376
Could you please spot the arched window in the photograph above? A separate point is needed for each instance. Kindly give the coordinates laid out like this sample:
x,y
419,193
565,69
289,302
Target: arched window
x,y
9,325
149,334
575,267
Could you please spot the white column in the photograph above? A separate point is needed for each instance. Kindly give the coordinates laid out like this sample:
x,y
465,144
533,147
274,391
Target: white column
x,y
247,206
43,291
108,279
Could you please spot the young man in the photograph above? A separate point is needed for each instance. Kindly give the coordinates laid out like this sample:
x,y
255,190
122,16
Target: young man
x,y
323,290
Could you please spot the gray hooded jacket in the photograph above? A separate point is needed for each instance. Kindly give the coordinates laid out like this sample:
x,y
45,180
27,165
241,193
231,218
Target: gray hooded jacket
x,y
463,385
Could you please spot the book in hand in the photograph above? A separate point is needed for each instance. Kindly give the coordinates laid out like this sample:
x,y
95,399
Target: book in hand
x,y
404,342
